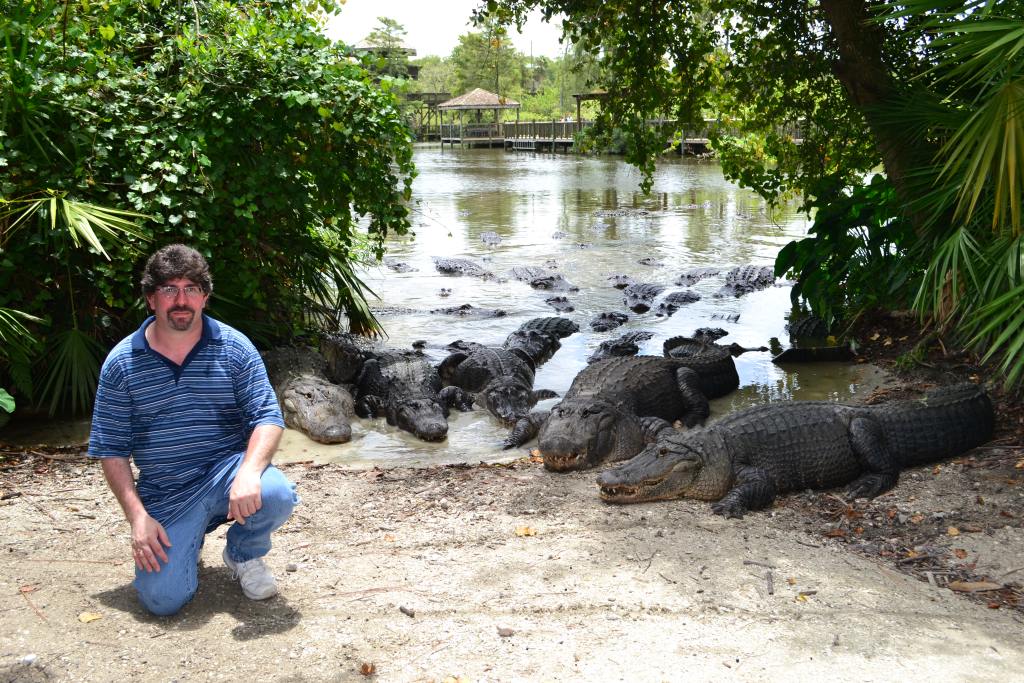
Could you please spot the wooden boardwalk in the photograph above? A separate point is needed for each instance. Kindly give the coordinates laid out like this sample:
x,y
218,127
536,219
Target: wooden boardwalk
x,y
560,136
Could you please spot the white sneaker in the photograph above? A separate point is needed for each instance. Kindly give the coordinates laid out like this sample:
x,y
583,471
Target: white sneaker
x,y
257,581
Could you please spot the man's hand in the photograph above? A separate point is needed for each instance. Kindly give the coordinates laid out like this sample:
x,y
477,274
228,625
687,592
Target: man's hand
x,y
244,499
148,542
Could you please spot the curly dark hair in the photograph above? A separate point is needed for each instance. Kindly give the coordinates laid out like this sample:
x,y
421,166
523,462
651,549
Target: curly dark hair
x,y
176,261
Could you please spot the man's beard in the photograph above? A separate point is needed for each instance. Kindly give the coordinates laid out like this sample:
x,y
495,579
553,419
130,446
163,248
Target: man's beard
x,y
181,325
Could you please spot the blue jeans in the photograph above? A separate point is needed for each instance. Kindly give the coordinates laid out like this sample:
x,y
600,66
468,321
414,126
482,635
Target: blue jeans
x,y
168,590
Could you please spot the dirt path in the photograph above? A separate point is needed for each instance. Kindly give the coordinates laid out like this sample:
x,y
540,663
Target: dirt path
x,y
423,575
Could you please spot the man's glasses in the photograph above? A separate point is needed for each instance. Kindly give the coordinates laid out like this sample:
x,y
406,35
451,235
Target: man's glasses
x,y
170,292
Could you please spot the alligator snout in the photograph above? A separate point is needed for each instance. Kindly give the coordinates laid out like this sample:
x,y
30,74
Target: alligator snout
x,y
333,434
432,431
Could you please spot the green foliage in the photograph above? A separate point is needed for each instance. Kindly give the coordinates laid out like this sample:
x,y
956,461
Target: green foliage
x,y
857,254
236,128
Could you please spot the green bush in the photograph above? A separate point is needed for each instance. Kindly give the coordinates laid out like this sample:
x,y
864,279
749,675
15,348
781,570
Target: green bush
x,y
236,128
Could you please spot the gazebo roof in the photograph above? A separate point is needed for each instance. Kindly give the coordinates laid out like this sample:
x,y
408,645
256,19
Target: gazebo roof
x,y
478,98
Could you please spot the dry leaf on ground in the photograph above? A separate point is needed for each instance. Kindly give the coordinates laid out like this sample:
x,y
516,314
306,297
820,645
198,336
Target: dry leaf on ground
x,y
974,586
86,617
525,531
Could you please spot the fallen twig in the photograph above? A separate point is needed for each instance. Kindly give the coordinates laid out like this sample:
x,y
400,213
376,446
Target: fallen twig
x,y
770,581
31,604
760,564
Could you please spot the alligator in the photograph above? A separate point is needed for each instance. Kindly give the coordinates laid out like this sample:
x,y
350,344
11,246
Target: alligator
x,y
406,389
620,213
533,344
501,380
650,261
527,273
614,406
746,279
638,297
742,461
554,325
692,277
444,292
621,281
398,266
491,238
554,282
625,345
806,327
310,402
673,300
560,304
709,334
461,266
712,362
608,321
470,311
345,354
559,235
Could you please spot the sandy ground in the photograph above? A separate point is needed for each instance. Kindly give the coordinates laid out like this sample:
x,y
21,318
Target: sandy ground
x,y
509,572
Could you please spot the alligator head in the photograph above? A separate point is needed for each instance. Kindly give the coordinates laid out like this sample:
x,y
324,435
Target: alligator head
x,y
584,432
425,418
677,465
318,408
508,399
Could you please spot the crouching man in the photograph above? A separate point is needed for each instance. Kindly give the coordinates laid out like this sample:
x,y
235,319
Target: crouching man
x,y
188,399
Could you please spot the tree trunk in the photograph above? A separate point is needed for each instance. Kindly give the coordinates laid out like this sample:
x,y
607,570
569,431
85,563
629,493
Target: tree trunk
x,y
863,73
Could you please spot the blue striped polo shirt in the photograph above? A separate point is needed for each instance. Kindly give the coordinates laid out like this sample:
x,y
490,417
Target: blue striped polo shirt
x,y
186,426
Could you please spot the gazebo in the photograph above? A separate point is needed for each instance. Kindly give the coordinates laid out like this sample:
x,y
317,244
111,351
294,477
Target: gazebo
x,y
478,100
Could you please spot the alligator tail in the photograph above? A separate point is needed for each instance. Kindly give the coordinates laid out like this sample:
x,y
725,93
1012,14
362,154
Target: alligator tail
x,y
944,424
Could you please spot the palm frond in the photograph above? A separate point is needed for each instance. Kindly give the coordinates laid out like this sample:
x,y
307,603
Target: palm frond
x,y
956,258
84,222
72,367
989,151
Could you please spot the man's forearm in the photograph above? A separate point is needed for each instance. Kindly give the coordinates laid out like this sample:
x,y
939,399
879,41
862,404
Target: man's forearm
x,y
118,474
262,446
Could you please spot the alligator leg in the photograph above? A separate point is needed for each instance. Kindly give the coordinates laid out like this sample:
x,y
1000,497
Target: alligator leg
x,y
455,397
697,408
880,467
541,394
526,428
753,490
652,427
369,406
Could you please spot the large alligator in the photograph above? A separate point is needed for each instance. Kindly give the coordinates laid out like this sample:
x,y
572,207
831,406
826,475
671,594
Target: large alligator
x,y
556,325
612,408
746,279
712,362
461,266
310,402
406,389
745,459
500,380
536,345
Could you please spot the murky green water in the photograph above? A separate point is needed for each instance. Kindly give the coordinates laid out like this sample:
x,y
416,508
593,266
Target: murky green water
x,y
694,218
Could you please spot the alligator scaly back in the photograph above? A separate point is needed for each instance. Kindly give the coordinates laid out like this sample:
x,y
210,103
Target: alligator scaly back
x,y
943,424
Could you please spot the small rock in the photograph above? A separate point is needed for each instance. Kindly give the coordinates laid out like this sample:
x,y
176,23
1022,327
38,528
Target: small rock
x,y
291,567
29,660
407,611
505,632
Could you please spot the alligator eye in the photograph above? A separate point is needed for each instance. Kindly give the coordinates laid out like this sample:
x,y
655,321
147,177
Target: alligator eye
x,y
662,451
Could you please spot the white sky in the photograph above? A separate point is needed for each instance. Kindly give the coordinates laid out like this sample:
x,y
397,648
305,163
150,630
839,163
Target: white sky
x,y
433,27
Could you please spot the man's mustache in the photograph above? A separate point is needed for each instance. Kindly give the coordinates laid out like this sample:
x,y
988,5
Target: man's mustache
x,y
185,309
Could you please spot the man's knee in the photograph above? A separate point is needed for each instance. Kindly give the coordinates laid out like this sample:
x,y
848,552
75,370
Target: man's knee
x,y
162,603
277,495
